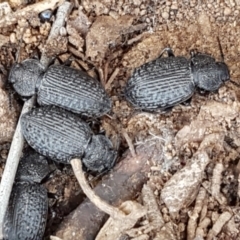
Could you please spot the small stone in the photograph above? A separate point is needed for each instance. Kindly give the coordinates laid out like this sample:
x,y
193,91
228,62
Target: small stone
x,y
165,15
209,5
137,2
227,11
143,12
5,9
236,13
168,3
232,3
174,7
114,15
63,31
136,11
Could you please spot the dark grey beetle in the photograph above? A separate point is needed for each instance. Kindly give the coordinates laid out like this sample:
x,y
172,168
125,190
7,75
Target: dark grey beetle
x,y
166,82
61,86
46,15
61,135
28,206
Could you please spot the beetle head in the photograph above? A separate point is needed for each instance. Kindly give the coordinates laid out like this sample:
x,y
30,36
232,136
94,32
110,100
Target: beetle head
x,y
24,76
32,167
210,76
99,155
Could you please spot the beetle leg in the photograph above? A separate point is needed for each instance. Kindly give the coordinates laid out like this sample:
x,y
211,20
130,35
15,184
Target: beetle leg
x,y
187,102
169,52
166,110
193,53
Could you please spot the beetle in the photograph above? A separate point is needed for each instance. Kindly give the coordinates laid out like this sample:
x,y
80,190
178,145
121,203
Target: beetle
x,y
168,81
61,86
46,15
27,211
61,135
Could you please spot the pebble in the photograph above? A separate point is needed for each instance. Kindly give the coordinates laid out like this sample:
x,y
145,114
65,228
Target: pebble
x,y
174,7
165,15
232,3
227,11
137,2
13,38
143,12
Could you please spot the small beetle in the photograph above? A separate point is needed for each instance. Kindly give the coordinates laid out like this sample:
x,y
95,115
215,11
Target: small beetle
x,y
62,135
27,211
166,82
46,15
61,86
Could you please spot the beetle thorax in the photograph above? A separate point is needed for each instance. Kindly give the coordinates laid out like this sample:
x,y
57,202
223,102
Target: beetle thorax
x,y
210,77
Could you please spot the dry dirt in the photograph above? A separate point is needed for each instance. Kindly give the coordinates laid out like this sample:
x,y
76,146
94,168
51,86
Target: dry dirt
x,y
196,196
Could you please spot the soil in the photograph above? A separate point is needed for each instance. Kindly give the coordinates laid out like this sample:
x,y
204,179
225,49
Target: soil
x,y
109,39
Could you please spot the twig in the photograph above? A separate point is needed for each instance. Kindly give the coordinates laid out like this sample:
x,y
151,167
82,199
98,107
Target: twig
x,y
194,216
101,76
135,39
76,53
201,229
12,18
114,74
129,172
154,215
105,72
216,183
102,205
129,142
61,16
12,165
62,13
218,225
134,28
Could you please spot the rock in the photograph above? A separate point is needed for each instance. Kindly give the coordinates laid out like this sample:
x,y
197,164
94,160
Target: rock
x,y
227,11
165,15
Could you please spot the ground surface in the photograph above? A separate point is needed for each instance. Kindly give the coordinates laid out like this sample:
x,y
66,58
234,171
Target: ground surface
x,y
110,39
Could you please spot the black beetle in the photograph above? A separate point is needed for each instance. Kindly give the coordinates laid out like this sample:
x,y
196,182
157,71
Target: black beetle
x,y
61,86
46,15
27,211
165,82
61,135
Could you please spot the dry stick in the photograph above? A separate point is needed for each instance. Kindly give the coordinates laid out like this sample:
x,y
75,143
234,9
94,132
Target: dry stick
x,y
18,140
129,142
113,76
194,215
101,204
62,14
11,165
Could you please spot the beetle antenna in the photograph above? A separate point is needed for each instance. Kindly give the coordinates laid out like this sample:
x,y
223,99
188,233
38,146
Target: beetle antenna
x,y
234,83
220,49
